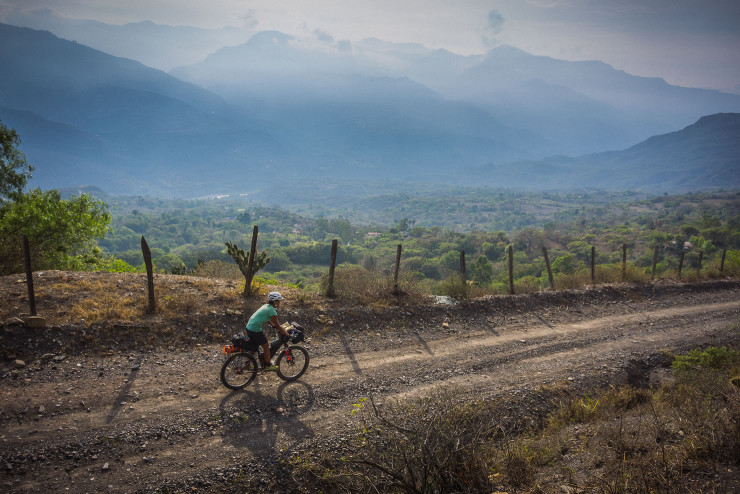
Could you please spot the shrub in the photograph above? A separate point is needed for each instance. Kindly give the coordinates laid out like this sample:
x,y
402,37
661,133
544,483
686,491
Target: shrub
x,y
437,443
353,282
216,269
711,358
452,287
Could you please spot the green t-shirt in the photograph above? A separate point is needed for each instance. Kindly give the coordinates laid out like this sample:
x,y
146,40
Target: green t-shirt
x,y
260,317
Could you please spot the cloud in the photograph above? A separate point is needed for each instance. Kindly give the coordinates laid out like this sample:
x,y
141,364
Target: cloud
x,y
345,46
323,36
250,20
495,21
495,26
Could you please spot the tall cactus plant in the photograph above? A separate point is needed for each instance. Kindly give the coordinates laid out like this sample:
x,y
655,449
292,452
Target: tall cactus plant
x,y
242,260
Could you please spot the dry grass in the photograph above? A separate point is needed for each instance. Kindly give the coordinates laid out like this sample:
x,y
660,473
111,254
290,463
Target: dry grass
x,y
622,440
69,298
105,305
363,286
217,269
639,440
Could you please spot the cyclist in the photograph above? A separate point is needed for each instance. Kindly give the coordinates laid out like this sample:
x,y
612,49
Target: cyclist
x,y
266,313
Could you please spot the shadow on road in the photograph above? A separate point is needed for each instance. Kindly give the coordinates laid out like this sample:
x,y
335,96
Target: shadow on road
x,y
424,344
119,402
350,354
543,321
255,420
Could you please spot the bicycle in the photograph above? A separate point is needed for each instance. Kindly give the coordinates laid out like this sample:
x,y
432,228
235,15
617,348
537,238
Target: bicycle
x,y
245,358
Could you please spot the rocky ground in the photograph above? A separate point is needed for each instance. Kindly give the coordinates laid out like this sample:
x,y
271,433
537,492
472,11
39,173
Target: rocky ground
x,y
134,403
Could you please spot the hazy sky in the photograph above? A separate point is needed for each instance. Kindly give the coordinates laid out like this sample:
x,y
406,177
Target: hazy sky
x,y
686,42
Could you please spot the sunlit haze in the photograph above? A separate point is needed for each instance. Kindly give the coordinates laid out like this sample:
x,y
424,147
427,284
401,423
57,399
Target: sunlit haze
x,y
687,42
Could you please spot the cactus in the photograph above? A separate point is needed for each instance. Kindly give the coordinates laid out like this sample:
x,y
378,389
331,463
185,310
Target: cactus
x,y
242,260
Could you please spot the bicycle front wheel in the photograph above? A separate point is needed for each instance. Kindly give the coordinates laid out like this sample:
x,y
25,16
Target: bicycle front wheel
x,y
292,363
238,370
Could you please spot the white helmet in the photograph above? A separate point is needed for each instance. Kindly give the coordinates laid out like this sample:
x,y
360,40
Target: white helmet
x,y
273,296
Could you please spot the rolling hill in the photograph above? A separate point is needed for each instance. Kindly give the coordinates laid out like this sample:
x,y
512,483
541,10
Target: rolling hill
x,y
276,108
703,155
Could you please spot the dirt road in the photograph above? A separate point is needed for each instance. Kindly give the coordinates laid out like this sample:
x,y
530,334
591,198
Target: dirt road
x,y
162,420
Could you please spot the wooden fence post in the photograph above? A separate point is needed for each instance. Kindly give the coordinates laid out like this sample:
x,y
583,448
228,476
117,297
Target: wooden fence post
x,y
396,290
624,262
330,289
722,263
250,263
149,273
511,269
655,263
29,276
680,263
463,274
698,267
593,263
549,270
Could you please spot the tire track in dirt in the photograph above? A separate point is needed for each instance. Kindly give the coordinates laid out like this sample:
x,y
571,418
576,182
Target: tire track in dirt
x,y
160,438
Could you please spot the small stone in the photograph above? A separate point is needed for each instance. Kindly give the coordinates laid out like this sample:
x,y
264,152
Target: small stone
x,y
20,363
280,410
106,467
445,325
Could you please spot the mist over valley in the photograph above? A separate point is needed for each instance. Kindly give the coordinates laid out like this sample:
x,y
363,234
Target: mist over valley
x,y
276,109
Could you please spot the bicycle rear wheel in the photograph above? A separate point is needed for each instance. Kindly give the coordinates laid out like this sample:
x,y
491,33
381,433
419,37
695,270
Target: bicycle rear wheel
x,y
238,370
292,363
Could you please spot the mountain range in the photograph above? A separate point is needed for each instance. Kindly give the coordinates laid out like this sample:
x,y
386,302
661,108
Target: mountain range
x,y
277,108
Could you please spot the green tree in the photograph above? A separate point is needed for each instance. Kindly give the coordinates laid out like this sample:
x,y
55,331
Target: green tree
x,y
482,271
565,264
14,171
57,229
244,218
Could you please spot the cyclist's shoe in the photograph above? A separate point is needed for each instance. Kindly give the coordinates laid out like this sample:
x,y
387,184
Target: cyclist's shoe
x,y
270,368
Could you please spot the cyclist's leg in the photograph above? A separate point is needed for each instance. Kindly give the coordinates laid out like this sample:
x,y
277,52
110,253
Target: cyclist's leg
x,y
259,338
266,354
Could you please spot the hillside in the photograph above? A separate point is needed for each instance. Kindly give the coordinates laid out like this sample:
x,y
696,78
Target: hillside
x,y
124,402
421,116
703,155
86,117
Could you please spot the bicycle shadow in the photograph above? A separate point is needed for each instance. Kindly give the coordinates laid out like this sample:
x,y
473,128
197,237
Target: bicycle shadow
x,y
257,421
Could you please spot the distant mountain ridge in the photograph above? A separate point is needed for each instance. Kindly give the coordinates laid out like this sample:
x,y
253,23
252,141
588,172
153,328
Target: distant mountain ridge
x,y
156,45
703,155
118,124
273,107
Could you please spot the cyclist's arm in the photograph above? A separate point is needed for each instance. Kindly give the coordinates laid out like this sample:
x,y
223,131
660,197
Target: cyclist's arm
x,y
275,324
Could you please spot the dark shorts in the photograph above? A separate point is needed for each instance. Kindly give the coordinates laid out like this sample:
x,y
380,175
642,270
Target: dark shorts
x,y
257,337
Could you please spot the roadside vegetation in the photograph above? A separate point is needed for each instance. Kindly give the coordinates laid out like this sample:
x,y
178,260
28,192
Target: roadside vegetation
x,y
677,436
190,236
70,230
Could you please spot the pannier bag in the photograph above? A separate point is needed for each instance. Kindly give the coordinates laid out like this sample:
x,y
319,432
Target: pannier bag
x,y
296,332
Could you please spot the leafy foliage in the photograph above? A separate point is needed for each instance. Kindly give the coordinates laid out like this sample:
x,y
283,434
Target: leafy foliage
x,y
57,229
711,358
569,225
14,171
